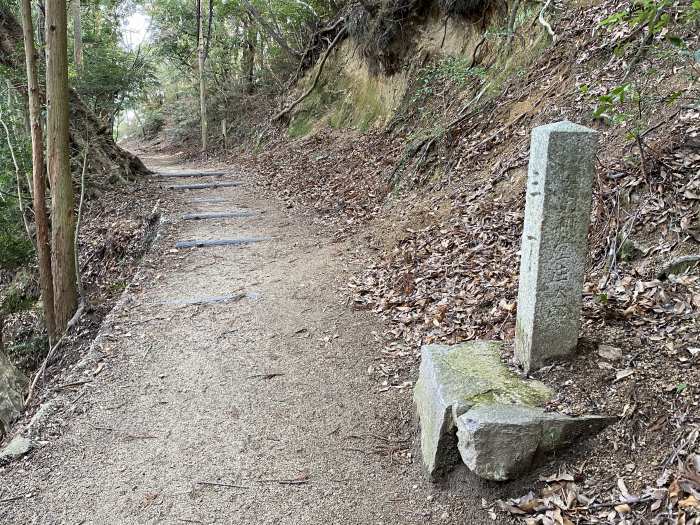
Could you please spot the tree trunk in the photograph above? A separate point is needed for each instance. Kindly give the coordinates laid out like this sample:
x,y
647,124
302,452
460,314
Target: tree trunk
x,y
248,65
42,223
77,35
201,59
271,32
108,158
58,163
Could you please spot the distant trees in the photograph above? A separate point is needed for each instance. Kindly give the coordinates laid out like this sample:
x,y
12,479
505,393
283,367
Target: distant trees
x,y
202,48
105,88
248,48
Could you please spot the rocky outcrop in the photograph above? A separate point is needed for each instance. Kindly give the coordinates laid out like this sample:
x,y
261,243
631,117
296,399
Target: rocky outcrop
x,y
12,383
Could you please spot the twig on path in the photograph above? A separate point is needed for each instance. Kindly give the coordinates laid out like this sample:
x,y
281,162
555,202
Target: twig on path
x,y
216,484
40,373
16,498
128,435
72,385
265,376
285,481
78,397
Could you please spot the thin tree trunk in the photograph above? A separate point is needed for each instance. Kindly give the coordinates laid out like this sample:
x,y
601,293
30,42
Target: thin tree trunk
x,y
249,56
271,32
201,56
58,162
41,220
77,35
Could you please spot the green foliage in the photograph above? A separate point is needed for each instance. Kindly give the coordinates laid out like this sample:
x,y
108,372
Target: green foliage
x,y
114,77
659,22
452,69
657,17
15,248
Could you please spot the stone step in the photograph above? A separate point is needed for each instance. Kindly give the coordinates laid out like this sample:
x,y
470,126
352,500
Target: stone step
x,y
216,215
203,186
194,173
201,243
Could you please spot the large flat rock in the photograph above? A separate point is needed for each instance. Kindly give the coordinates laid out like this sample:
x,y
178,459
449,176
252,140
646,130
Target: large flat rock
x,y
502,442
452,380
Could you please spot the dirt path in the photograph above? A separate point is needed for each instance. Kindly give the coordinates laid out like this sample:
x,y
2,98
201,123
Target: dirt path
x,y
255,410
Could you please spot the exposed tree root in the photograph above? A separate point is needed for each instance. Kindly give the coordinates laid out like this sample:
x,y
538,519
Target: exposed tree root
x,y
322,62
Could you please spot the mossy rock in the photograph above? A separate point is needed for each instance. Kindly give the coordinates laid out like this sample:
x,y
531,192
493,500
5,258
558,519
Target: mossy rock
x,y
21,294
452,380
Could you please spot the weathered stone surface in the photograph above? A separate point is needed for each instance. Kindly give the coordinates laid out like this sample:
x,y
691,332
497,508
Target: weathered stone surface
x,y
16,448
679,265
12,383
501,442
554,242
452,379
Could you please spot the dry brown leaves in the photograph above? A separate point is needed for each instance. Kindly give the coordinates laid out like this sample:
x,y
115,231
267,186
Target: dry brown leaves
x,y
674,500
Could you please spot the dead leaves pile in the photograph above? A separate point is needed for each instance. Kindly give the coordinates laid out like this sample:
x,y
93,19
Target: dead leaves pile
x,y
342,181
455,280
562,501
113,238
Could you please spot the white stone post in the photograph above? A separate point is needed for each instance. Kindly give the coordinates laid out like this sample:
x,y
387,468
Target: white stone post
x,y
554,245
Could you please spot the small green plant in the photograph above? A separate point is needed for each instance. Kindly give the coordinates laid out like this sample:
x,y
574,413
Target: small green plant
x,y
454,69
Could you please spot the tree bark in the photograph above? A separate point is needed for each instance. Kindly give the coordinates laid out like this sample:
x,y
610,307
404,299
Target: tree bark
x,y
38,172
201,59
58,163
248,65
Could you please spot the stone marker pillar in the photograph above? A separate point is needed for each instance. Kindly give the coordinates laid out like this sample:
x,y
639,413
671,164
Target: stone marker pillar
x,y
554,244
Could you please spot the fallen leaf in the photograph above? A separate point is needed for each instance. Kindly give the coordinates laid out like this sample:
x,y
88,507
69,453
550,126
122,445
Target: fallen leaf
x,y
622,374
611,353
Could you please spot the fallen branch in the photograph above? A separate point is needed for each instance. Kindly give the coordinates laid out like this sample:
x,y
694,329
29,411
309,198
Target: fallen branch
x,y
73,321
322,62
544,22
78,279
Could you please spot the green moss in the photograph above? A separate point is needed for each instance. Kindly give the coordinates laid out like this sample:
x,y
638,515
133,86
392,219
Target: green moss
x,y
344,103
478,364
28,355
300,126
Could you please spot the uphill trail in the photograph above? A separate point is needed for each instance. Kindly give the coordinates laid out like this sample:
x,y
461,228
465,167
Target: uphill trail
x,y
234,388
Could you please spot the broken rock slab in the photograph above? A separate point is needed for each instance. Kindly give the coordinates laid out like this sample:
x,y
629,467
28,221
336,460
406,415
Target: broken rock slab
x,y
452,380
501,442
18,447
